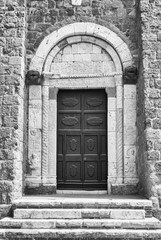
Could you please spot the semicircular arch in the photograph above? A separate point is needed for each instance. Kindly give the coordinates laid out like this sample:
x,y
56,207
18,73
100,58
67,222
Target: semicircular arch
x,y
117,48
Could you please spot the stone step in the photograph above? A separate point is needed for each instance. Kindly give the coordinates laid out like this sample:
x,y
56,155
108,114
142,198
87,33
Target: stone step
x,y
148,223
79,213
75,234
79,202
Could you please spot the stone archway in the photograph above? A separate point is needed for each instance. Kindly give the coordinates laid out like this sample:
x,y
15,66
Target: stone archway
x,y
43,103
90,29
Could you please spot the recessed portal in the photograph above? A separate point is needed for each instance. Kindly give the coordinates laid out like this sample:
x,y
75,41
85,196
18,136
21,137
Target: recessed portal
x,y
82,139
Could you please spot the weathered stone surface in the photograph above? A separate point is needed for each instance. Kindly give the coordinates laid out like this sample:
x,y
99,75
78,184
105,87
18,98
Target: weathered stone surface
x,y
33,78
124,189
130,167
149,82
117,234
130,75
82,202
78,213
12,58
5,210
151,223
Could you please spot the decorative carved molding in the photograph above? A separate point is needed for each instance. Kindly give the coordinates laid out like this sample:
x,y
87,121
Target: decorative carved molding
x,y
91,170
73,144
90,144
130,163
51,75
31,164
130,75
33,78
45,115
119,143
94,102
94,121
70,121
70,102
73,171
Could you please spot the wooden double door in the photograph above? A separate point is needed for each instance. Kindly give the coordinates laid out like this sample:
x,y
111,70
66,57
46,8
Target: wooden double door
x,y
82,139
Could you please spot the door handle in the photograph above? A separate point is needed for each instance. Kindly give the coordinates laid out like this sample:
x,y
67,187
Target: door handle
x,y
85,158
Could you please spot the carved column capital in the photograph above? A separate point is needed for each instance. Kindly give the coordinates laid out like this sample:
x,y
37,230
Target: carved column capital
x,y
130,75
33,78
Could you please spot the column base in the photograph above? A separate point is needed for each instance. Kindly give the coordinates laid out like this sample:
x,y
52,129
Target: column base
x,y
37,185
41,189
124,189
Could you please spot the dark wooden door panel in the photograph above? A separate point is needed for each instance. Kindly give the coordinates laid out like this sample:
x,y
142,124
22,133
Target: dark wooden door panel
x,y
82,144
95,121
91,144
73,144
73,171
69,121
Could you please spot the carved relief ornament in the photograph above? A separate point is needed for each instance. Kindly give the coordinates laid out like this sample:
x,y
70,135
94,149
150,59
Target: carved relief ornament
x,y
130,75
33,78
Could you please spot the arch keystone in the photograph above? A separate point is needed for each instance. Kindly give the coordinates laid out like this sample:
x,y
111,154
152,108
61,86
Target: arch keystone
x,y
80,28
90,28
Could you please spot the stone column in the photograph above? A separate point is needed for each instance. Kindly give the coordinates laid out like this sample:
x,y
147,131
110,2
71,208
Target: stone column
x,y
130,130
53,136
111,136
119,127
34,144
33,164
45,114
130,134
49,136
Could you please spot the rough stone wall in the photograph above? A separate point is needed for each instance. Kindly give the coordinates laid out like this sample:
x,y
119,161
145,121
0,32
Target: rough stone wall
x,y
45,16
149,101
12,50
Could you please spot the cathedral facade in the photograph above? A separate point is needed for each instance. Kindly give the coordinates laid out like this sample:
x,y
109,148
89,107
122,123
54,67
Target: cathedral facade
x,y
80,98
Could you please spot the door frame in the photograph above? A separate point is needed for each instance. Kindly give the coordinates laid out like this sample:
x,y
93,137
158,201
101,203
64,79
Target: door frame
x,y
114,89
42,102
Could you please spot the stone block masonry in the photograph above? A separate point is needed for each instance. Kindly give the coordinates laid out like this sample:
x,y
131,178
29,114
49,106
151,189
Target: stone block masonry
x,y
148,121
12,53
23,26
82,59
48,15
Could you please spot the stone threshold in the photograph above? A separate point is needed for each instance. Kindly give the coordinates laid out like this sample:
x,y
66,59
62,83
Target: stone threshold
x,y
82,195
83,200
82,192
